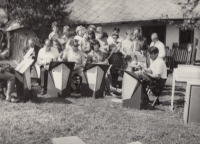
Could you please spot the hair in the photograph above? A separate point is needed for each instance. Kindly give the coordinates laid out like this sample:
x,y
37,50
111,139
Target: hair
x,y
71,34
129,32
99,29
153,50
54,24
93,27
91,32
116,29
31,39
115,34
67,27
154,35
73,42
48,40
94,42
138,29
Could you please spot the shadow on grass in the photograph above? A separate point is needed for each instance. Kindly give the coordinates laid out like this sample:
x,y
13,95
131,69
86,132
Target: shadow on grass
x,y
179,103
149,107
48,99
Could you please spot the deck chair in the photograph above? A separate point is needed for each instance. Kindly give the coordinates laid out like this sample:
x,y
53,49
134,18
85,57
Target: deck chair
x,y
157,91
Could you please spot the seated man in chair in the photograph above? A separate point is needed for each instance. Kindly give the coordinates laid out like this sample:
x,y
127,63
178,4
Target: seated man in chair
x,y
156,74
45,56
77,56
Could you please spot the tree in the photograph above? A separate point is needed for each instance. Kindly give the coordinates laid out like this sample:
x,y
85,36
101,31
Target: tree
x,y
190,15
36,14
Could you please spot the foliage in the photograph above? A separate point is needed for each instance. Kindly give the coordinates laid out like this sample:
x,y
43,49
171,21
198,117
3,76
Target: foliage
x,y
36,14
190,15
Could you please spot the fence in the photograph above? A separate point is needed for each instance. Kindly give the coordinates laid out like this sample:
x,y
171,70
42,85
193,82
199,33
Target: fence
x,y
178,55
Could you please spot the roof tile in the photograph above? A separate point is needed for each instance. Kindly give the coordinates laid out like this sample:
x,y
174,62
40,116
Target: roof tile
x,y
108,11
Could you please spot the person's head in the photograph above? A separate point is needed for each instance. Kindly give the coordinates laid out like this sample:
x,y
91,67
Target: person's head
x,y
129,34
115,36
99,32
85,35
55,27
48,44
92,28
91,34
31,42
74,44
116,30
154,37
136,32
153,52
79,31
65,29
95,45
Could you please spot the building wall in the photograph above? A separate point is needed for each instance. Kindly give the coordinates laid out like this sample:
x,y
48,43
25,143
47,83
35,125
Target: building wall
x,y
196,53
172,35
172,32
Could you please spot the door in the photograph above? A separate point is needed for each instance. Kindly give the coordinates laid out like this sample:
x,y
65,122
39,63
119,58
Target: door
x,y
159,29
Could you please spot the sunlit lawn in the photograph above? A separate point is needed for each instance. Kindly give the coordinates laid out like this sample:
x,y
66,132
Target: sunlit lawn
x,y
97,121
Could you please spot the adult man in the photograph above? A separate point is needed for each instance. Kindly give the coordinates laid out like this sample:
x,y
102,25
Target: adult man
x,y
31,46
155,74
155,42
139,41
45,56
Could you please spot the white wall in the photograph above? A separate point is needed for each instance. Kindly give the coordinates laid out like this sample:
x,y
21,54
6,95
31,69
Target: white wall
x,y
172,35
197,35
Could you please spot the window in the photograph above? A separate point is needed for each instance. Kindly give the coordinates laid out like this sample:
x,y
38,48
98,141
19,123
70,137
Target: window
x,y
186,37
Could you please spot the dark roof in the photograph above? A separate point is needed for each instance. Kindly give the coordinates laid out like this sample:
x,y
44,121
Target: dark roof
x,y
113,11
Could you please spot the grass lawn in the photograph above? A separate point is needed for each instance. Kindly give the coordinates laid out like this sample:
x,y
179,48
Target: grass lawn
x,y
96,121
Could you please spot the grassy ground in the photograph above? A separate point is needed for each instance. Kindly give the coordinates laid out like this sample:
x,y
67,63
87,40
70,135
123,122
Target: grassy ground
x,y
96,121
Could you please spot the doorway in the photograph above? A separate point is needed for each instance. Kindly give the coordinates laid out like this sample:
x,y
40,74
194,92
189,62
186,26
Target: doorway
x,y
159,29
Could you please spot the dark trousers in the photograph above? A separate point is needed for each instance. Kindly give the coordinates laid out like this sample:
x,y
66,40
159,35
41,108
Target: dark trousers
x,y
10,79
148,81
44,78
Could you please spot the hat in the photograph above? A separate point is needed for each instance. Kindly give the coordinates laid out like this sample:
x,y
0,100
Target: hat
x,y
74,42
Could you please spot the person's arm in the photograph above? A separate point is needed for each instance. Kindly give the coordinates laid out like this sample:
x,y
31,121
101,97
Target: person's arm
x,y
155,76
161,51
148,70
157,71
122,49
24,50
83,60
86,48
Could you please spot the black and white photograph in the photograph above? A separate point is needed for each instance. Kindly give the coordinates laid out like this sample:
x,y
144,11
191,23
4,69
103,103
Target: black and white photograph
x,y
99,71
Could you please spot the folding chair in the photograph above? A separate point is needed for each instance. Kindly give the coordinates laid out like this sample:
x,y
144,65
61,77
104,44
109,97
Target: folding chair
x,y
157,91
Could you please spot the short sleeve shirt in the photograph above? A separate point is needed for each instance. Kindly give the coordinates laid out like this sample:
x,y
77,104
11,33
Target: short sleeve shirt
x,y
127,46
161,48
52,54
158,66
